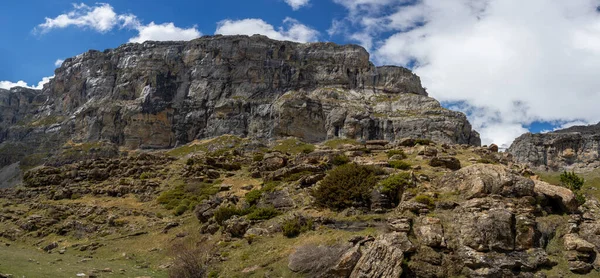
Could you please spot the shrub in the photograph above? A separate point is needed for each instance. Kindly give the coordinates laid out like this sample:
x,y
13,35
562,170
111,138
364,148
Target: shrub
x,y
424,199
263,213
346,186
485,161
253,196
146,175
340,160
571,180
295,226
181,209
189,260
224,213
394,185
400,153
580,198
424,142
258,157
399,164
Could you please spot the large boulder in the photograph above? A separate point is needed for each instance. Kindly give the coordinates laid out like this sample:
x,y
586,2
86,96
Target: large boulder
x,y
564,196
480,180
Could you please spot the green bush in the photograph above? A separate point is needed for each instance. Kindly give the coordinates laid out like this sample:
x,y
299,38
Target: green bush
x,y
571,180
399,164
295,226
580,198
400,153
258,157
426,200
146,175
188,194
253,196
224,213
423,142
340,160
346,186
263,213
181,209
394,185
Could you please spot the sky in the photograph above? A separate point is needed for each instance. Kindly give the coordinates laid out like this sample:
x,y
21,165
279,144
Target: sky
x,y
512,66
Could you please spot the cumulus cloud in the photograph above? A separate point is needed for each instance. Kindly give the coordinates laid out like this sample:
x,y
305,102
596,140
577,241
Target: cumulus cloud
x,y
292,30
103,18
164,32
58,62
508,63
297,4
8,84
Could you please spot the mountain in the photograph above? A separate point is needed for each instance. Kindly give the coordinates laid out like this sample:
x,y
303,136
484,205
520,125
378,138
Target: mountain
x,y
575,148
159,95
237,156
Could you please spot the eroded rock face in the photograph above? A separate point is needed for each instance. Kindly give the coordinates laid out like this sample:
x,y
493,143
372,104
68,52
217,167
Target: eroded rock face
x,y
164,94
572,148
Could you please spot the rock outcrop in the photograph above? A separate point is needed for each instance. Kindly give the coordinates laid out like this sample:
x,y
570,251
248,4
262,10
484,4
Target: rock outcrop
x,y
573,148
164,94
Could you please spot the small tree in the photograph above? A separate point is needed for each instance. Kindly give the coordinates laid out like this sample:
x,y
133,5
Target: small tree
x,y
571,180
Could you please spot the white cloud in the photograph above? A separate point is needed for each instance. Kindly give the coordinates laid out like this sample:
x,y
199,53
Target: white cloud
x,y
164,32
58,62
515,62
103,18
8,84
297,4
292,30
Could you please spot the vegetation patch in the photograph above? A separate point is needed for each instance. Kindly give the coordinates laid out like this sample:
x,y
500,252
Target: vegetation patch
x,y
393,186
293,146
397,153
338,143
400,164
346,186
293,227
263,213
186,196
340,160
214,145
426,200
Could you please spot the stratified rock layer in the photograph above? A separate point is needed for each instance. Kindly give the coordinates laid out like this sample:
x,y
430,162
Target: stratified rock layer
x,y
164,94
572,148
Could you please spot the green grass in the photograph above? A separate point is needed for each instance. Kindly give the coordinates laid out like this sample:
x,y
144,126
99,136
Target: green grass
x,y
337,143
293,146
214,145
26,261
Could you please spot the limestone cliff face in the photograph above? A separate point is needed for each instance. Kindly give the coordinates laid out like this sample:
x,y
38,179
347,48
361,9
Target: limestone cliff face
x,y
164,94
574,148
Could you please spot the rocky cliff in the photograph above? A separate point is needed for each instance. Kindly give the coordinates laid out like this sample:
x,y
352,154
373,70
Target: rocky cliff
x,y
164,94
574,148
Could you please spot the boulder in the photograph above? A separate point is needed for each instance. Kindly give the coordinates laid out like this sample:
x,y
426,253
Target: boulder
x,y
576,243
380,259
480,180
236,226
563,195
449,162
429,232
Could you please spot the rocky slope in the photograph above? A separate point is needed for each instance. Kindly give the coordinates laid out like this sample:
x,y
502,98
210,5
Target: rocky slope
x,y
164,94
239,209
574,148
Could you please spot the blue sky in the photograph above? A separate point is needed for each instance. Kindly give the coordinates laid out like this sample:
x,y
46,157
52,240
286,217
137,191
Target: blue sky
x,y
512,66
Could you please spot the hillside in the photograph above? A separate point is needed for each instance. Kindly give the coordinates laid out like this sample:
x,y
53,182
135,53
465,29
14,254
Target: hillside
x,y
241,209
